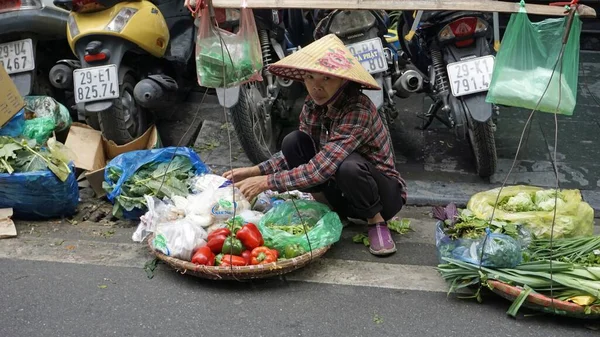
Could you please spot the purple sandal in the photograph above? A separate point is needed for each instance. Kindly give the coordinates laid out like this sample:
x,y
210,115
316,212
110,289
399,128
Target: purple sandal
x,y
381,240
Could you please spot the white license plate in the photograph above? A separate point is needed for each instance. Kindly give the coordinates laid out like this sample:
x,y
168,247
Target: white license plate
x,y
471,76
17,56
370,54
96,84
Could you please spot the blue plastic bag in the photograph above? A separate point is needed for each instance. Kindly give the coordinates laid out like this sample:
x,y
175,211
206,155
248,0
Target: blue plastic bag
x,y
14,127
39,195
129,163
499,250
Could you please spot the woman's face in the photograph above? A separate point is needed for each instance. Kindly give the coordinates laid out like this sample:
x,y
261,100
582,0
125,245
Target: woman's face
x,y
322,87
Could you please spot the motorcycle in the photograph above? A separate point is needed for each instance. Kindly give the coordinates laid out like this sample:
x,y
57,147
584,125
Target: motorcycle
x,y
135,60
32,38
454,49
260,110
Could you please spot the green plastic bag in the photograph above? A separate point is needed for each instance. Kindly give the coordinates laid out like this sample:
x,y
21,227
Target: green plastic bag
x,y
525,63
574,217
326,226
39,129
48,107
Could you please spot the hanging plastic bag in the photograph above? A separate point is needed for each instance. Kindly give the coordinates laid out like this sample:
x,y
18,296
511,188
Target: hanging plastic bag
x,y
14,127
280,224
224,59
525,62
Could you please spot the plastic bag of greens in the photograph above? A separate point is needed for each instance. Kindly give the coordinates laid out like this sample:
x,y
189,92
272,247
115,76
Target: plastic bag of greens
x,y
282,226
48,108
224,59
39,129
525,62
534,208
499,251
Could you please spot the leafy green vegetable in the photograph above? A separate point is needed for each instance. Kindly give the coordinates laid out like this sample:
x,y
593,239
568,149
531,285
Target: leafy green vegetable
x,y
155,179
400,226
361,238
21,155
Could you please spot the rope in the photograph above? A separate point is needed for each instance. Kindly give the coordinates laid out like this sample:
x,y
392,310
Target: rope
x,y
224,48
560,60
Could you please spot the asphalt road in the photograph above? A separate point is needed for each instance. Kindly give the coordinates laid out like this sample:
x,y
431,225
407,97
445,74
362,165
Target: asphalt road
x,y
84,278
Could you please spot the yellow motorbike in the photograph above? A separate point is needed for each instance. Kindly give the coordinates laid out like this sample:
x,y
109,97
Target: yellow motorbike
x,y
135,60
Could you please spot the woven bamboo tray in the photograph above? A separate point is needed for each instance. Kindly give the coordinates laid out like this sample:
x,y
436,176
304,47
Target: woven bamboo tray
x,y
543,303
236,272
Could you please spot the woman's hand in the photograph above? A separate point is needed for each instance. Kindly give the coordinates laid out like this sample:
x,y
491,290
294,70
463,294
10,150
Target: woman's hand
x,y
243,173
251,187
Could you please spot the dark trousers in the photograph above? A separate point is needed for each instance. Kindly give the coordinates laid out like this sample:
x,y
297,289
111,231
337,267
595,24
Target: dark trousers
x,y
358,190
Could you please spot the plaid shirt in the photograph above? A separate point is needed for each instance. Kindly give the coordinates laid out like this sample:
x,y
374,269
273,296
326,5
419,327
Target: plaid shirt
x,y
354,126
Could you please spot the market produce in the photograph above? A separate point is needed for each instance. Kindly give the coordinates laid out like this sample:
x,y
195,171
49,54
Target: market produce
x,y
203,256
583,251
232,246
563,280
534,208
250,236
309,224
226,260
217,238
262,255
463,224
164,179
21,155
293,250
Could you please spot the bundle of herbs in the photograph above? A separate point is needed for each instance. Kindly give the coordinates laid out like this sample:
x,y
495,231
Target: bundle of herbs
x,y
583,251
23,155
561,280
164,179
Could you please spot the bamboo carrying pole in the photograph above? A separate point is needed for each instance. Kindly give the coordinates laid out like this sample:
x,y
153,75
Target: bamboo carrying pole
x,y
426,5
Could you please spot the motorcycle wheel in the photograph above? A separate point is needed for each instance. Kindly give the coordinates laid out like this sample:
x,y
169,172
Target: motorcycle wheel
x,y
481,136
253,124
125,120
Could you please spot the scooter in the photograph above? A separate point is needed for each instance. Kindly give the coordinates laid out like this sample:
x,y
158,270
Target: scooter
x,y
259,110
455,50
135,60
32,38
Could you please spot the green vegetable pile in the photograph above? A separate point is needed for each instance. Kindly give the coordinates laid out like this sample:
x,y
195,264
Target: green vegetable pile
x,y
148,180
543,200
297,229
21,155
463,224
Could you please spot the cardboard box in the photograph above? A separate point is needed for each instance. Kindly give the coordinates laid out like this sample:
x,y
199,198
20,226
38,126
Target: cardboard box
x,y
93,151
11,101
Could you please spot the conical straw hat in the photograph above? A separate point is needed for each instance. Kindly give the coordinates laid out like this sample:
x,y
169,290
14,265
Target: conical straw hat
x,y
328,56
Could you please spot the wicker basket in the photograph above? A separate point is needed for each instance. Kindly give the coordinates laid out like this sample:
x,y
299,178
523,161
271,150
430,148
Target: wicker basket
x,y
543,303
239,273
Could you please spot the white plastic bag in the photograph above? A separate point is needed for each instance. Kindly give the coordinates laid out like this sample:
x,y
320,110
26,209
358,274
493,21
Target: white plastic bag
x,y
223,205
158,212
179,238
208,182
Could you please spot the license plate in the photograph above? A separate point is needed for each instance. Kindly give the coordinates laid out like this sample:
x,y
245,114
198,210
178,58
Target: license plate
x,y
471,76
370,54
96,84
17,56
